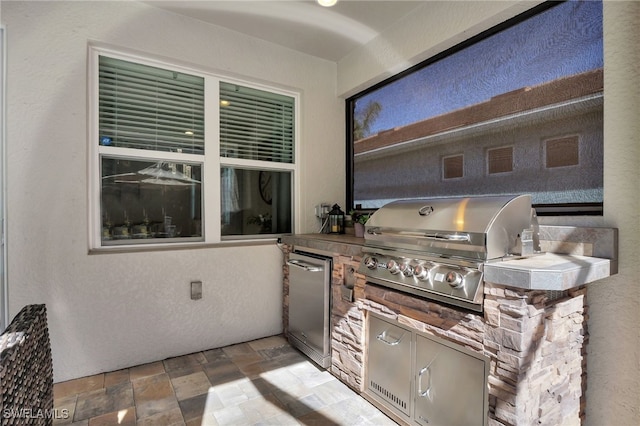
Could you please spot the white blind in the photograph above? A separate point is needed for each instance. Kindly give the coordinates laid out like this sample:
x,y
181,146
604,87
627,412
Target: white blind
x,y
256,125
146,107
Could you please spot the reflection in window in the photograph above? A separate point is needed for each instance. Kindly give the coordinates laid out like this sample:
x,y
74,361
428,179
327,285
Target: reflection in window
x,y
453,167
146,201
255,201
562,152
535,79
500,160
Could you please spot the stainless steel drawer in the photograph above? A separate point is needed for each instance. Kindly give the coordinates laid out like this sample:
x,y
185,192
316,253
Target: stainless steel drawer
x,y
309,306
389,363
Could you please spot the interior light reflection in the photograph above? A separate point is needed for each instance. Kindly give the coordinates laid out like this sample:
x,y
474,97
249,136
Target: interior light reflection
x,y
327,3
121,415
459,219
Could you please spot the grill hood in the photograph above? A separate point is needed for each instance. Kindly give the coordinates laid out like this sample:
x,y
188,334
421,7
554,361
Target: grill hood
x,y
478,228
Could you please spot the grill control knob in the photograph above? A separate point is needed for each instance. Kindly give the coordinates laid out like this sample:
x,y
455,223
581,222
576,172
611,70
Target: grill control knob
x,y
421,272
406,269
393,267
454,279
371,262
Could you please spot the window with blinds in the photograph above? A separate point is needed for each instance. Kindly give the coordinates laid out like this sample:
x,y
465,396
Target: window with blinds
x,y
149,169
145,107
255,124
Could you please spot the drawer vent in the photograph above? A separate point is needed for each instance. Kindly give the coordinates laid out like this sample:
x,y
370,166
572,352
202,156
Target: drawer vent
x,y
389,396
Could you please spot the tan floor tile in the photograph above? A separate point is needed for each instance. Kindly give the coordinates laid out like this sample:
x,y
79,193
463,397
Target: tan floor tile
x,y
319,418
165,418
191,385
158,406
268,343
257,410
184,361
116,377
214,355
285,419
193,408
153,395
200,421
102,401
239,349
252,370
242,360
65,408
232,415
232,393
260,382
152,388
222,371
124,417
146,370
201,407
189,369
76,386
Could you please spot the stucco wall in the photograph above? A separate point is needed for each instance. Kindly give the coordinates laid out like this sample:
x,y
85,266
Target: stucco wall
x,y
614,303
110,311
114,310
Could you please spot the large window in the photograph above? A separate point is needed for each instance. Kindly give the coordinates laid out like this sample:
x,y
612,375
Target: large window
x,y
183,156
517,109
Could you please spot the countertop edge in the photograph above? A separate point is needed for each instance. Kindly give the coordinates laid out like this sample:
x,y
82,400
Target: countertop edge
x,y
570,271
563,273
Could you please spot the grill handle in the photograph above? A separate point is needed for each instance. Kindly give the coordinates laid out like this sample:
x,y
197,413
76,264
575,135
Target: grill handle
x,y
449,237
434,236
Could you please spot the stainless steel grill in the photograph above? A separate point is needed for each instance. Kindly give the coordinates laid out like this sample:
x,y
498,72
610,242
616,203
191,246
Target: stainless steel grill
x,y
436,248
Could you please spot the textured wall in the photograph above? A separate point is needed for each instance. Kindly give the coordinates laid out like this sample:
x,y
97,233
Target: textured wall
x,y
431,29
110,311
614,311
614,315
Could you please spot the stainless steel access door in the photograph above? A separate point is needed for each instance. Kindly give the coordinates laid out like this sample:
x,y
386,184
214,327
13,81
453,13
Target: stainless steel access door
x,y
450,385
389,364
309,306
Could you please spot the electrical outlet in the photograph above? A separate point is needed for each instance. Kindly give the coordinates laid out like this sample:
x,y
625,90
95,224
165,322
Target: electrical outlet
x,y
322,210
196,290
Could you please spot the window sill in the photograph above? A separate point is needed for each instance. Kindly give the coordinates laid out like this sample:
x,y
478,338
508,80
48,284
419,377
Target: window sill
x,y
183,246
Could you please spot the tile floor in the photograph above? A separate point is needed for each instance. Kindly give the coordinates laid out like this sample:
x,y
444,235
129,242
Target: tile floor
x,y
263,382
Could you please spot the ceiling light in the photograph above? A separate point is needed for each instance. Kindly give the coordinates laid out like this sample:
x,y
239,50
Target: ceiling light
x,y
327,3
224,103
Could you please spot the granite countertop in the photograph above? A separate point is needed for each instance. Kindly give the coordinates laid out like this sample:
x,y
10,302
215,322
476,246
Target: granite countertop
x,y
548,271
343,244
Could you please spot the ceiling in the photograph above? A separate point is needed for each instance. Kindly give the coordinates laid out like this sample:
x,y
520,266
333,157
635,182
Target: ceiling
x,y
302,25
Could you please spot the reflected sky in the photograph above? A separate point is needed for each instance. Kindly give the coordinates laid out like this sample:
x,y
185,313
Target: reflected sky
x,y
562,41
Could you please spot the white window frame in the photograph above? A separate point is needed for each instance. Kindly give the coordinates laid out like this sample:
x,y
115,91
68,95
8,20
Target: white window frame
x,y
211,160
4,283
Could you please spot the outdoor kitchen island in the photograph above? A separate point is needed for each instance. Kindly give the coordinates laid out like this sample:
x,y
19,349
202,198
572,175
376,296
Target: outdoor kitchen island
x,y
532,331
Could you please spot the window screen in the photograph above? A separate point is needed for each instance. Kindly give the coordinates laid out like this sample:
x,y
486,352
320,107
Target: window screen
x,y
525,84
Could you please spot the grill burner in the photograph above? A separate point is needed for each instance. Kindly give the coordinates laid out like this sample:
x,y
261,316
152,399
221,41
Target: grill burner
x,y
436,248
